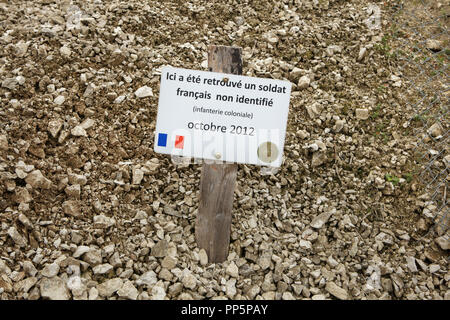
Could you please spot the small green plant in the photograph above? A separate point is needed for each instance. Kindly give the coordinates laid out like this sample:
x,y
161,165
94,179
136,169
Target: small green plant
x,y
392,178
380,127
381,89
421,117
441,57
408,177
400,52
385,137
376,113
385,48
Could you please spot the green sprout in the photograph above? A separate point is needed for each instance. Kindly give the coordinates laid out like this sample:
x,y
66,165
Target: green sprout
x,y
392,178
408,177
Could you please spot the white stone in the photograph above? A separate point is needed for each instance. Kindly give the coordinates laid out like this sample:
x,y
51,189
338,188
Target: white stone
x,y
313,110
72,208
143,92
93,293
253,291
24,167
119,99
265,260
230,288
109,249
296,72
77,179
102,221
169,262
29,268
203,256
22,48
320,220
272,40
17,237
232,270
287,296
109,287
50,270
102,268
80,251
189,281
37,180
90,88
304,82
339,125
362,53
411,263
331,49
435,130
20,80
54,126
149,278
54,289
138,175
313,146
93,257
304,244
336,291
158,293
141,214
303,134
87,123
397,81
59,100
316,273
433,44
443,242
128,291
362,114
332,262
78,131
4,268
25,285
434,268
65,51
9,83
75,285
252,223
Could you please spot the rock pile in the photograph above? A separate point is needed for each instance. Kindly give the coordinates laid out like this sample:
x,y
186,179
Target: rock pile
x,y
89,211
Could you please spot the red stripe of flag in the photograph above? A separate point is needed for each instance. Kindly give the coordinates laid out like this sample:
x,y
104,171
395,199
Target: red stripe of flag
x,y
179,142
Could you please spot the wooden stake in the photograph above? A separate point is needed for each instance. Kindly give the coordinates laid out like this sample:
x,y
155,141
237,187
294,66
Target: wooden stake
x,y
217,183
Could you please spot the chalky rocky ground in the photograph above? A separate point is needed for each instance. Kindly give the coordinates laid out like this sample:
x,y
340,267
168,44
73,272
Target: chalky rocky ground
x,y
89,211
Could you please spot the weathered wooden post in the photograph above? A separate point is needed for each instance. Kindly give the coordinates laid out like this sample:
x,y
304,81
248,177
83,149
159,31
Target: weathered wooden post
x,y
217,183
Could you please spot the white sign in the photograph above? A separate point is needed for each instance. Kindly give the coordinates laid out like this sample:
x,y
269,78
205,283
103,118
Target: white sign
x,y
218,116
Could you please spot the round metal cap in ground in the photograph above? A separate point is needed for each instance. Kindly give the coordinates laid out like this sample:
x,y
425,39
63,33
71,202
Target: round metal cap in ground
x,y
267,152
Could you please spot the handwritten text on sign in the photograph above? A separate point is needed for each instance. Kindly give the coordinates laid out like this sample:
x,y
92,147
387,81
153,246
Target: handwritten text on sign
x,y
219,116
